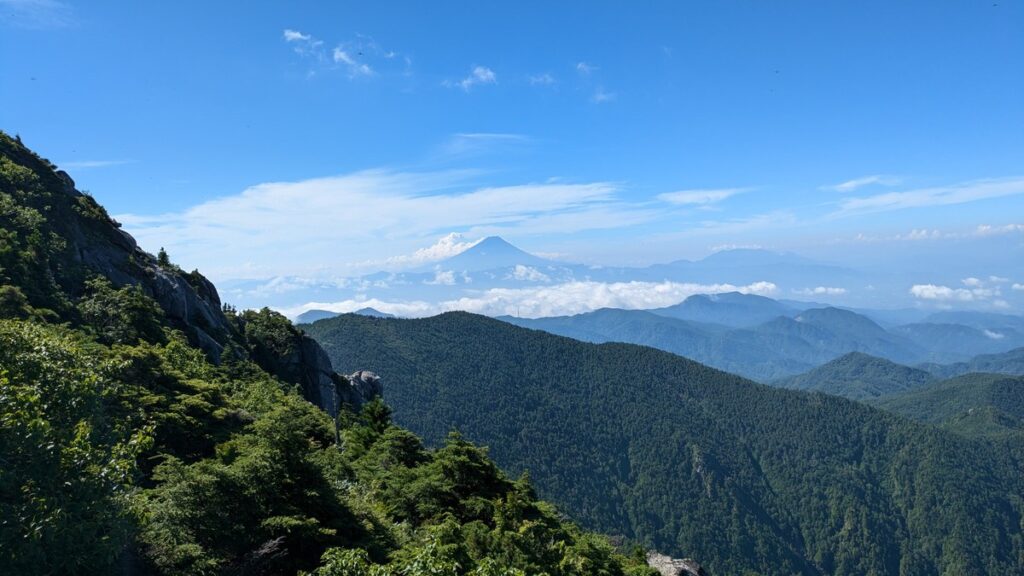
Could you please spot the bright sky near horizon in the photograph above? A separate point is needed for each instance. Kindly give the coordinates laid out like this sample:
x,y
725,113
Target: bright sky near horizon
x,y
261,139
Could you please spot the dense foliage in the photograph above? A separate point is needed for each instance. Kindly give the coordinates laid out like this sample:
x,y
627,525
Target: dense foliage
x,y
123,448
690,460
859,377
971,405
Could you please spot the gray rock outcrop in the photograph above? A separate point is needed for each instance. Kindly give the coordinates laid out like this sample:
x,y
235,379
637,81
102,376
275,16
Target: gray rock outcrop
x,y
189,300
362,386
668,566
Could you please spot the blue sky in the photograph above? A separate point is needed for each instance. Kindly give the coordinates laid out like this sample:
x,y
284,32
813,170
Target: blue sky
x,y
309,139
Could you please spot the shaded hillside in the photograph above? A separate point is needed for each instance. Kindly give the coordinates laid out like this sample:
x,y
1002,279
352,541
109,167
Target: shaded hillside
x,y
730,309
945,342
745,477
781,347
972,404
858,376
1011,362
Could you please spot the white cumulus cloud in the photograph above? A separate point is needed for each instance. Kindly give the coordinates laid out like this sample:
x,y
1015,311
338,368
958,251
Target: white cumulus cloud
x,y
528,274
296,36
939,293
442,278
449,245
554,300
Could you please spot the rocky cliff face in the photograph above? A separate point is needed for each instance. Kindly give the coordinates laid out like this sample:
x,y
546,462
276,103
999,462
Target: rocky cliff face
x,y
362,387
667,566
81,240
94,244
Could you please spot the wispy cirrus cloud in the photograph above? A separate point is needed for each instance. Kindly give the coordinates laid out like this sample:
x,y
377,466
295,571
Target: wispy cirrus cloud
x,y
937,196
873,180
473,143
360,57
544,79
296,36
303,44
84,164
355,68
479,75
601,96
701,196
330,225
585,68
36,14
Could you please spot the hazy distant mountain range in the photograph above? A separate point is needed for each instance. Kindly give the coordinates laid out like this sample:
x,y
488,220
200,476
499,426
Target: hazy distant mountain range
x,y
495,278
731,329
765,339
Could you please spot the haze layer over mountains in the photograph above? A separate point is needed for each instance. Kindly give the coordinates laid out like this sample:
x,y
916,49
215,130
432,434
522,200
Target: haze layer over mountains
x,y
495,278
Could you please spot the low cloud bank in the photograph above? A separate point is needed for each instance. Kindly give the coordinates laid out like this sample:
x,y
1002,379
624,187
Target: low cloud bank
x,y
558,300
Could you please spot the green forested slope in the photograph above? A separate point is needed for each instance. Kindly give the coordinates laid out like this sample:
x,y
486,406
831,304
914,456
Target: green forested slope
x,y
973,404
858,376
124,449
748,478
1011,362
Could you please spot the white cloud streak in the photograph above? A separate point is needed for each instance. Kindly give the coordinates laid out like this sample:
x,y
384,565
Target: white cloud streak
x,y
699,197
85,164
296,36
329,225
821,291
873,180
939,196
475,143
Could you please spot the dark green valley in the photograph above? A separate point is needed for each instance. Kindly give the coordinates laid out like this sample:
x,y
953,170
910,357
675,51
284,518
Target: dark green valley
x,y
748,478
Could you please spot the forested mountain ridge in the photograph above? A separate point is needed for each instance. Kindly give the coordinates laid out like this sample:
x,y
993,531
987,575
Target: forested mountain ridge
x,y
146,430
973,405
766,350
1011,362
858,376
768,340
746,477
